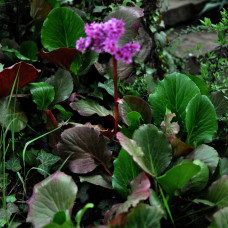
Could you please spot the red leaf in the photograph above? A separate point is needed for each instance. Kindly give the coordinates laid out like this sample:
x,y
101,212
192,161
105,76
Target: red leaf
x,y
26,73
62,57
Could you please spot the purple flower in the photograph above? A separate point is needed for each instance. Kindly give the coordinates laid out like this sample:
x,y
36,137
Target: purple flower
x,y
105,37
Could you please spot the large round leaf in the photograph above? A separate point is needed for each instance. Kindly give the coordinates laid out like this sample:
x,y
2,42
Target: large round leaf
x,y
201,121
42,94
217,193
149,148
144,216
174,93
206,154
125,170
177,177
55,193
220,219
61,28
14,112
63,85
131,103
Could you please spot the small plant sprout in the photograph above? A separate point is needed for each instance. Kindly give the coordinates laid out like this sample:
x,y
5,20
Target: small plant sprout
x,y
104,37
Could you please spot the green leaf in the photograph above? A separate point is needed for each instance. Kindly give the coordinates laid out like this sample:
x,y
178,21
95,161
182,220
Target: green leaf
x,y
206,154
131,103
217,192
144,216
13,113
173,93
220,102
42,94
59,217
46,160
30,156
88,59
45,200
76,64
177,177
68,115
149,149
203,87
134,119
125,170
108,85
201,121
61,28
81,212
89,107
13,164
224,166
200,180
220,219
63,85
11,199
67,224
29,49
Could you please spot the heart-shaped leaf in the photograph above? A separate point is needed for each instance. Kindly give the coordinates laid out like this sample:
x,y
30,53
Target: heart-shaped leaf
x,y
144,216
173,93
125,170
89,107
44,202
140,191
14,115
177,177
201,121
131,17
42,94
87,147
149,149
217,193
63,85
64,22
62,57
220,219
131,103
206,154
220,102
24,73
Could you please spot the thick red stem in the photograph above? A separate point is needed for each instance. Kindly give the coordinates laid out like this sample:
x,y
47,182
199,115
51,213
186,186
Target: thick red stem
x,y
115,93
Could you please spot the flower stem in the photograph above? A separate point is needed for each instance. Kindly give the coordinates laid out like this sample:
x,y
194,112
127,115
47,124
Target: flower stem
x,y
115,93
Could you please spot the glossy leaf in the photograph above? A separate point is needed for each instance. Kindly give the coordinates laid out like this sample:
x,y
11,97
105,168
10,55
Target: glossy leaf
x,y
144,216
87,147
155,147
29,49
26,73
206,154
125,170
201,121
63,85
149,149
61,28
220,102
14,115
89,107
177,177
173,93
217,192
44,202
62,57
131,103
140,191
131,17
220,219
42,94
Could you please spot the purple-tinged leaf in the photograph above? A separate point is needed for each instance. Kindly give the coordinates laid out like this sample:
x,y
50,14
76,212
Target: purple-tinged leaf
x,y
50,196
62,57
140,187
131,103
86,144
131,17
220,219
102,180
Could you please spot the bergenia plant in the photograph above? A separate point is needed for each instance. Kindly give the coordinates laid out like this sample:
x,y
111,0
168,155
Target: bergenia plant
x,y
104,37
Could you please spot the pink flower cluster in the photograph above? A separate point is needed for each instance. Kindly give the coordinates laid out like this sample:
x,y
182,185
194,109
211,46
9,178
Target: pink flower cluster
x,y
104,37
